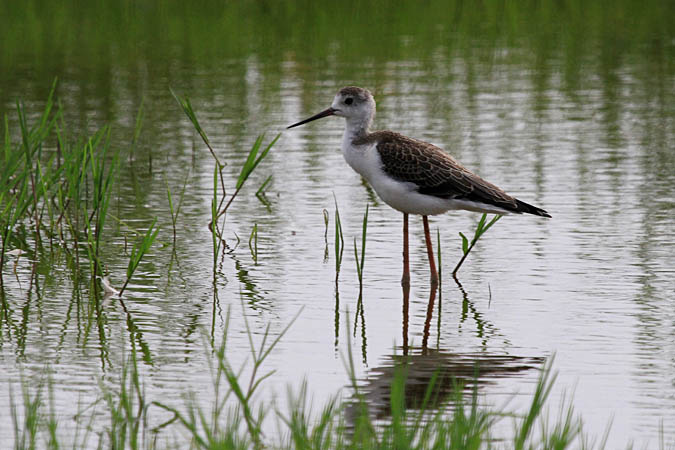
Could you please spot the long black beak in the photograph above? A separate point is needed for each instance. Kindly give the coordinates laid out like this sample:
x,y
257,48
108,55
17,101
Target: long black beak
x,y
326,113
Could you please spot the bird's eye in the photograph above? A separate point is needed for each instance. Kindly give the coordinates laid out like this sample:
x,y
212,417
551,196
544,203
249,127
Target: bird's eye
x,y
349,101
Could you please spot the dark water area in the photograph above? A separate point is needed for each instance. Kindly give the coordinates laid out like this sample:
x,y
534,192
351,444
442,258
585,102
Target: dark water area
x,y
566,105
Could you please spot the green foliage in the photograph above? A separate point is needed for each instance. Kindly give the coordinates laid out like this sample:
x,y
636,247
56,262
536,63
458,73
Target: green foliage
x,y
234,416
27,425
102,179
254,159
481,228
339,241
360,261
47,31
26,181
175,209
126,405
138,251
189,112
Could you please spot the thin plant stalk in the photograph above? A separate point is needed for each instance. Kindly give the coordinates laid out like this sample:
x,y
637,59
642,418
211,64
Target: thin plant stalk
x,y
481,228
360,261
249,166
176,211
255,156
339,241
326,221
138,251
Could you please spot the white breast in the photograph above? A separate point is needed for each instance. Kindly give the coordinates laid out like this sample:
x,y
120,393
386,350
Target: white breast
x,y
400,195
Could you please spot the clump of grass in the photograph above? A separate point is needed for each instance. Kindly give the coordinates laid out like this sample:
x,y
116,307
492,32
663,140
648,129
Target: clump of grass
x,y
32,139
255,156
9,216
234,416
26,176
26,431
102,179
61,193
481,228
207,435
127,405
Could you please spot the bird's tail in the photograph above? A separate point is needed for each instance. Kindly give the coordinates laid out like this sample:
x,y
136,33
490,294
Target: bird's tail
x,y
529,209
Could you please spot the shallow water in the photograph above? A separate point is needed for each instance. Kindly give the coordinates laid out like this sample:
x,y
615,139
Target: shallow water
x,y
574,115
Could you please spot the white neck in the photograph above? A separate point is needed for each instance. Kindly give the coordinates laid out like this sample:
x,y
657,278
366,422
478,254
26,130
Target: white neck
x,y
357,127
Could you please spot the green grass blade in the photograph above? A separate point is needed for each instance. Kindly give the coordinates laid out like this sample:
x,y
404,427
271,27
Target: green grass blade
x,y
189,112
253,159
465,243
261,189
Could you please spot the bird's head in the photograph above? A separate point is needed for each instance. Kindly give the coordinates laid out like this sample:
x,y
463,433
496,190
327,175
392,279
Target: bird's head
x,y
355,104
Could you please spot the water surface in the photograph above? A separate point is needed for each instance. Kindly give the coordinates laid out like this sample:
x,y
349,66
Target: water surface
x,y
566,106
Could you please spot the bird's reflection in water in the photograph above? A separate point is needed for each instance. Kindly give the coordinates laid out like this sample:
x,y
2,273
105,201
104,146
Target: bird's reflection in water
x,y
484,329
433,376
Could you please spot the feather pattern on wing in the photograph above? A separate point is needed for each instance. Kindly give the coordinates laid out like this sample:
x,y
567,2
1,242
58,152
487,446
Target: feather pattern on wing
x,y
437,174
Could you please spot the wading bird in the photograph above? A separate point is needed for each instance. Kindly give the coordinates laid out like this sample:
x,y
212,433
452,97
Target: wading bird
x,y
412,176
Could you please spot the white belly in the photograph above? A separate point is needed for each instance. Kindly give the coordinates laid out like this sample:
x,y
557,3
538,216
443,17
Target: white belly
x,y
399,195
403,196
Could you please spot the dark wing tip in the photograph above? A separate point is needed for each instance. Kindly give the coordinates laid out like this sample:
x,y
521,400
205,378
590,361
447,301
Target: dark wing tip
x,y
530,209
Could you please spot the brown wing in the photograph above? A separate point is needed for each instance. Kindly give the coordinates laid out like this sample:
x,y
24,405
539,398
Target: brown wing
x,y
437,173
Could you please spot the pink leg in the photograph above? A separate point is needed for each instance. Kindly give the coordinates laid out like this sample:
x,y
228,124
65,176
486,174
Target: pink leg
x,y
430,253
434,283
405,283
405,280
